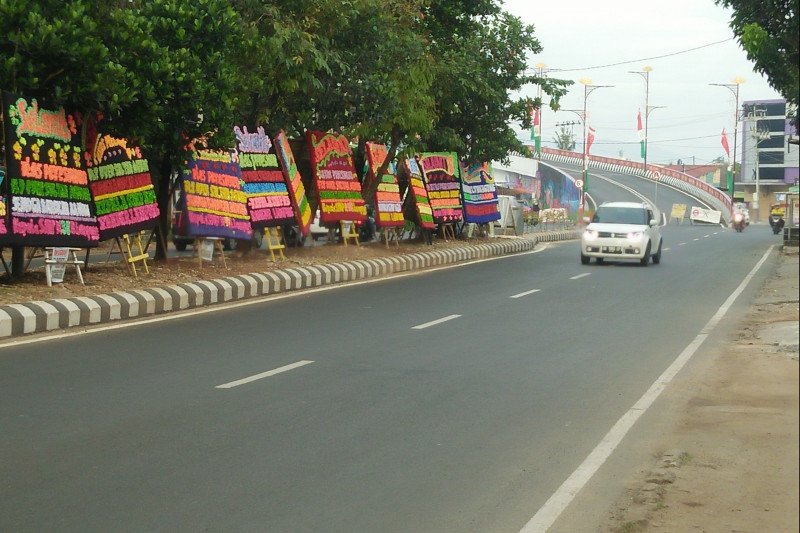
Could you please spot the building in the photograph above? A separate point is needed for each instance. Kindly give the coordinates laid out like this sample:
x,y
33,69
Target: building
x,y
769,161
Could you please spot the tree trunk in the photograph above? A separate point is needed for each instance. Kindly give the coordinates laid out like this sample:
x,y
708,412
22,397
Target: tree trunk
x,y
163,183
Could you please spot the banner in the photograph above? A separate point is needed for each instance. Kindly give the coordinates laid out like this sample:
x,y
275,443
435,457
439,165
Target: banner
x,y
416,206
297,192
121,186
705,215
479,194
335,178
268,198
216,205
443,181
387,202
48,189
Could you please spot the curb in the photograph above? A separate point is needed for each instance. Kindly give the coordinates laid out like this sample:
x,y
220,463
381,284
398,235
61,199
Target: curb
x,y
62,313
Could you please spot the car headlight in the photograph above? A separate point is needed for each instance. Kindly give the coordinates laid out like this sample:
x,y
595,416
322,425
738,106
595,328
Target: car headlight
x,y
590,234
635,235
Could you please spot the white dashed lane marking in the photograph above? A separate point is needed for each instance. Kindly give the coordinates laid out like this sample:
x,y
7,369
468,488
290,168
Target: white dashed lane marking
x,y
581,275
435,322
263,375
520,295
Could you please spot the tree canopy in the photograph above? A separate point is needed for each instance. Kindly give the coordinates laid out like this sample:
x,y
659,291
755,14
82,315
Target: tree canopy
x,y
769,32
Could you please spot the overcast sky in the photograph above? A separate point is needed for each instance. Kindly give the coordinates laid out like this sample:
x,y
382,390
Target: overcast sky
x,y
579,34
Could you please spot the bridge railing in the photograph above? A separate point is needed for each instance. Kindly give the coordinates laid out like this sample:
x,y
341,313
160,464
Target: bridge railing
x,y
658,173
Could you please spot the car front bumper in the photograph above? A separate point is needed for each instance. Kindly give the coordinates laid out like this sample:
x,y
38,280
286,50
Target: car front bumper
x,y
613,248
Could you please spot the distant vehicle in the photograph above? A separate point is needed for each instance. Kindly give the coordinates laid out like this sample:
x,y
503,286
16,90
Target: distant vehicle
x,y
622,230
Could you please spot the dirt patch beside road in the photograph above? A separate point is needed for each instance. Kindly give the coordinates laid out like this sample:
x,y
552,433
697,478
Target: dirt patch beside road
x,y
731,464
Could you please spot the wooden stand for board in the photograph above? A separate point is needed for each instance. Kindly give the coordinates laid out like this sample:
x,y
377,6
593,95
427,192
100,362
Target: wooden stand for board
x,y
127,252
448,230
274,242
217,247
393,234
349,231
50,262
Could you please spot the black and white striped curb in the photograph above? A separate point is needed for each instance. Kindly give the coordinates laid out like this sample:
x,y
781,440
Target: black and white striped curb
x,y
42,316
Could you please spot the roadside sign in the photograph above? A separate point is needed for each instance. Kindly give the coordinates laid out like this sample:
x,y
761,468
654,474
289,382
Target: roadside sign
x,y
579,184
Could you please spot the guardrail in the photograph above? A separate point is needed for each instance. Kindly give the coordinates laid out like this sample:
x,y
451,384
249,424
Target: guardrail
x,y
680,180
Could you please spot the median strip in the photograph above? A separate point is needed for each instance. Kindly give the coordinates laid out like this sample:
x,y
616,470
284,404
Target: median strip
x,y
263,375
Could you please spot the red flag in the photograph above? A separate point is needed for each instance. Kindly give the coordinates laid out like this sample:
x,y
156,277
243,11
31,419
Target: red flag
x,y
724,141
589,139
536,117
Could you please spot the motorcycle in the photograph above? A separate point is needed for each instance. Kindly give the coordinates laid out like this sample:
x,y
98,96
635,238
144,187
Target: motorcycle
x,y
777,224
738,222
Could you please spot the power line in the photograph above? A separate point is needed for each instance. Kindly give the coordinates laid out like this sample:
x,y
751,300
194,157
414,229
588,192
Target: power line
x,y
642,59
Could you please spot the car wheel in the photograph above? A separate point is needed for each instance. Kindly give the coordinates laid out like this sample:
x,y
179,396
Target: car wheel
x,y
646,259
584,259
180,246
657,257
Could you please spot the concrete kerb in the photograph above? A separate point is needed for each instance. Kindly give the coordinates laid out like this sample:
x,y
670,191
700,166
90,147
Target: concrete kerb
x,y
42,316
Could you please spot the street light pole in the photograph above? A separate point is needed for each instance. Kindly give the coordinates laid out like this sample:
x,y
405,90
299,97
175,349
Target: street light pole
x,y
757,136
540,72
587,90
734,88
645,74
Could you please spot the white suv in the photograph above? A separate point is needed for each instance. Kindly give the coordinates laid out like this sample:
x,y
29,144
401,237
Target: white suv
x,y
622,230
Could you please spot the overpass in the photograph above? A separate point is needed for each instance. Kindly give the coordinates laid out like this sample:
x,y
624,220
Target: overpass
x,y
565,189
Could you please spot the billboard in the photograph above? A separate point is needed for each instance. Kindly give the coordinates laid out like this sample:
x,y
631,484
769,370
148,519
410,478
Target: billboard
x,y
335,178
48,189
443,181
479,194
387,202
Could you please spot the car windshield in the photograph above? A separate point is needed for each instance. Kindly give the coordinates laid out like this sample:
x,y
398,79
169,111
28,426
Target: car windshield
x,y
620,215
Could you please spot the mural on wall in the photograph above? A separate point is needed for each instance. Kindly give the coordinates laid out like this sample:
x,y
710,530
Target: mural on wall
x,y
297,192
387,202
216,205
416,206
121,186
479,194
335,178
443,182
558,191
268,198
48,189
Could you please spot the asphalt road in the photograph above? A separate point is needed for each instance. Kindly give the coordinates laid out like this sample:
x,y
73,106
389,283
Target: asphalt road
x,y
468,424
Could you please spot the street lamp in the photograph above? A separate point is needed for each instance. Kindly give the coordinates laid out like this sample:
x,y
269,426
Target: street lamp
x,y
587,90
734,88
541,69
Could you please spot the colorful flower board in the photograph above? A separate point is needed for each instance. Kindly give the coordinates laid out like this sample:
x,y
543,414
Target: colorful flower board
x,y
216,205
479,194
297,192
268,198
335,178
417,205
442,180
4,233
48,189
388,205
121,186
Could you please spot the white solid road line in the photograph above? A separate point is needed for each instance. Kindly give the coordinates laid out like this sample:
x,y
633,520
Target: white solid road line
x,y
263,375
434,322
579,276
546,516
520,295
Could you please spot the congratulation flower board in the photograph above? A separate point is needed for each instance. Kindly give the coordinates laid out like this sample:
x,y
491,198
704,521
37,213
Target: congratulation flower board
x,y
388,205
335,178
268,198
442,179
216,205
122,189
297,192
479,194
48,189
417,206
4,234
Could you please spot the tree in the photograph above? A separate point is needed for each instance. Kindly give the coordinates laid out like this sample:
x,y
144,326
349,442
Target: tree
x,y
564,139
481,60
770,35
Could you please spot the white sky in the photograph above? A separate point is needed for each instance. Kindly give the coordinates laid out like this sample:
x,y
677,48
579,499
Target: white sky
x,y
576,34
